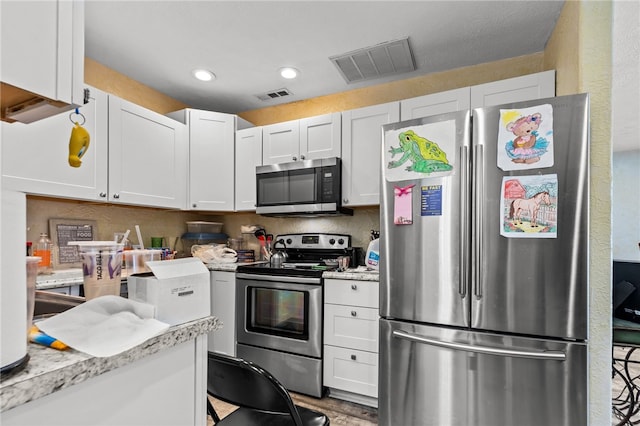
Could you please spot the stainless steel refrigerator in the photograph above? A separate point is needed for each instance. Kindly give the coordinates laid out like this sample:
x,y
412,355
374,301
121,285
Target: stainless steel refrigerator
x,y
484,266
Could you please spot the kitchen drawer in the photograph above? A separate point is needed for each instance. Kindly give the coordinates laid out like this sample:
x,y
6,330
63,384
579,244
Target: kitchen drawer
x,y
351,370
350,292
351,327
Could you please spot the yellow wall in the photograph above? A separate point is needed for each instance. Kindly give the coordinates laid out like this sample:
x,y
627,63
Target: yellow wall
x,y
110,81
404,89
580,51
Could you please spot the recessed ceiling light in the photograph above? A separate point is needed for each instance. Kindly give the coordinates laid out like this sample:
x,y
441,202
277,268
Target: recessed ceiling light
x,y
203,75
288,72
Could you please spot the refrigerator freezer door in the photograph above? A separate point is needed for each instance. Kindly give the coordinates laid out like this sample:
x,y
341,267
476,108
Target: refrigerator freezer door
x,y
442,376
422,277
533,286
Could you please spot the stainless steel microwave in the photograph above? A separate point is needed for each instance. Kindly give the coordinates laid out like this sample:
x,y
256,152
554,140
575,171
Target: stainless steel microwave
x,y
300,188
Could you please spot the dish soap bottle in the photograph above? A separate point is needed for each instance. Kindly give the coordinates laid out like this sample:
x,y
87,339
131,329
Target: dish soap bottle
x,y
43,251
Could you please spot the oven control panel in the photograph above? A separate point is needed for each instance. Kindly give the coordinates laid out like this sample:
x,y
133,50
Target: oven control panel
x,y
315,241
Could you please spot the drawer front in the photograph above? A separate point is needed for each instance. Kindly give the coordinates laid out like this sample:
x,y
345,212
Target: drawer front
x,y
351,370
351,327
351,292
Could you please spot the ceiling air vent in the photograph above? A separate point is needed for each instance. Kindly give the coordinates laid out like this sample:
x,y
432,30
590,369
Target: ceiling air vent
x,y
275,94
391,57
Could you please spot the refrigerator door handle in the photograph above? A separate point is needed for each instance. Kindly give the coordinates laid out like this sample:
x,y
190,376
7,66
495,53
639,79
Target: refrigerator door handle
x,y
544,355
464,226
478,208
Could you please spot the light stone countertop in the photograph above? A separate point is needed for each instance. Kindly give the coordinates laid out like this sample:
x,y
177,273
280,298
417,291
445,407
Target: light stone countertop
x,y
50,370
359,274
64,278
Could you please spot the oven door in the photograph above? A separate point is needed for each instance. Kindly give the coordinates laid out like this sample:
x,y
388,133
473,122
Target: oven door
x,y
280,312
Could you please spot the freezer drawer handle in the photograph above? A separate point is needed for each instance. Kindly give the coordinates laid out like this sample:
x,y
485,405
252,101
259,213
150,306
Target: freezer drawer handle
x,y
354,313
354,287
353,357
548,355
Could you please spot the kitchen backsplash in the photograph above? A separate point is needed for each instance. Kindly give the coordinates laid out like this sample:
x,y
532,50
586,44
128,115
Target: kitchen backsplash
x,y
171,224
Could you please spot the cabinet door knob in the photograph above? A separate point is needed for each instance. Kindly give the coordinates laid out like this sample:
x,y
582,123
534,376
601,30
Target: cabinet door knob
x,y
354,313
354,286
295,158
345,200
194,205
116,196
103,194
302,157
353,357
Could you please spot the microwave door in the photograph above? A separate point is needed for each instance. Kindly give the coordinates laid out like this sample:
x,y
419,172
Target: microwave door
x,y
273,189
302,186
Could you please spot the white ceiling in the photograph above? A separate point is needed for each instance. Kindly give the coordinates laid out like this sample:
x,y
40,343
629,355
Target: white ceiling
x,y
244,43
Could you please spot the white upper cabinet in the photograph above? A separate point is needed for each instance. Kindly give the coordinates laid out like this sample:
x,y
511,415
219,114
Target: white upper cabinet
x,y
306,139
42,50
281,142
320,136
361,152
248,156
211,159
147,157
527,87
35,156
436,103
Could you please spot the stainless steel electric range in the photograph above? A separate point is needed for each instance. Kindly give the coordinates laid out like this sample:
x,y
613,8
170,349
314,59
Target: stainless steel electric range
x,y
280,310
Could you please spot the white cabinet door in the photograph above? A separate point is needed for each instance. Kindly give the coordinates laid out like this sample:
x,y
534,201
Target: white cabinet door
x,y
281,142
436,103
320,136
223,306
147,157
352,292
351,327
524,88
248,156
35,155
351,370
42,48
211,160
361,149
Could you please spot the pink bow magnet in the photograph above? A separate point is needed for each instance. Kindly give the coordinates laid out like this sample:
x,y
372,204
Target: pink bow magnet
x,y
399,192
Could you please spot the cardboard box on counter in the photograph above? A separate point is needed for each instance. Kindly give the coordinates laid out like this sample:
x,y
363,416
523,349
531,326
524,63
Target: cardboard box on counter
x,y
178,289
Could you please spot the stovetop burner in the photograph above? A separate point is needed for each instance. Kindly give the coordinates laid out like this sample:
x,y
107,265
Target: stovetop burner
x,y
306,253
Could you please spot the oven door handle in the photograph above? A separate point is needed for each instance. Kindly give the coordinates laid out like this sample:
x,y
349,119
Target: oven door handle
x,y
279,278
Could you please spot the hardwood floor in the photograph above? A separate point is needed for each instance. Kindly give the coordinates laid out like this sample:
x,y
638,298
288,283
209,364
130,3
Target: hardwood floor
x,y
340,413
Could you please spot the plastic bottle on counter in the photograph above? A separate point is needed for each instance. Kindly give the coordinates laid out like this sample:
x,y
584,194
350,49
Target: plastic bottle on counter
x,y
372,259
43,250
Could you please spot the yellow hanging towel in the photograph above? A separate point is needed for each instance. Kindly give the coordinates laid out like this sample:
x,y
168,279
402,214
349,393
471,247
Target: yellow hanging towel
x,y
78,144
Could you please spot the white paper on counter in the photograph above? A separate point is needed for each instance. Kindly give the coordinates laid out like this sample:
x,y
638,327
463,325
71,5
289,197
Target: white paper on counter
x,y
104,326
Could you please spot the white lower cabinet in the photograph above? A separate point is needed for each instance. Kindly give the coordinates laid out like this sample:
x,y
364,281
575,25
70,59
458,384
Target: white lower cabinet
x,y
350,363
223,306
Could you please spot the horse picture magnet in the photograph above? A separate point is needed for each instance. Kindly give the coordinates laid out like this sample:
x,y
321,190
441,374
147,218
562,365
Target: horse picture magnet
x,y
529,206
525,138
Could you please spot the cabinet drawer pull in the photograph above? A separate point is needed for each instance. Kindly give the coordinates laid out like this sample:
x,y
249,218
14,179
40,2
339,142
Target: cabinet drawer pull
x,y
354,286
354,313
353,357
